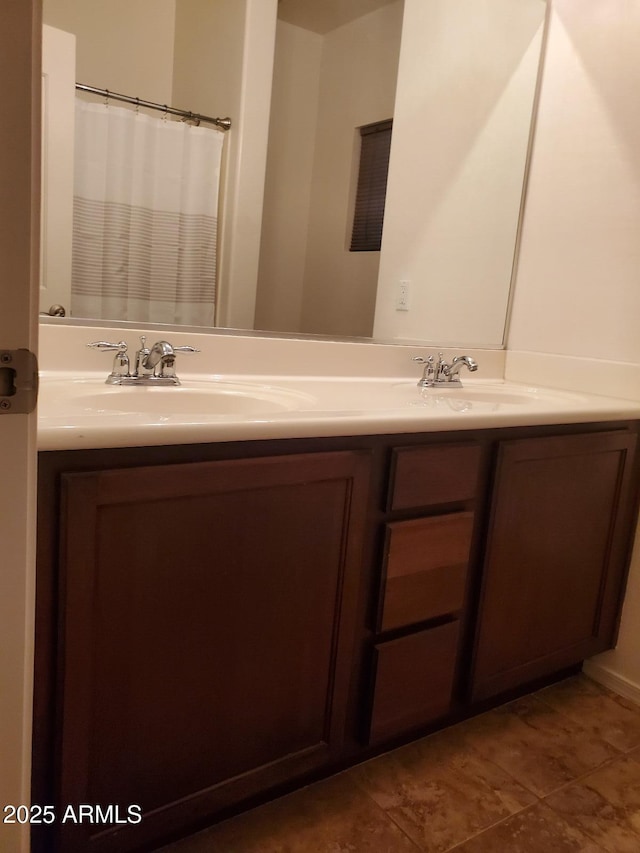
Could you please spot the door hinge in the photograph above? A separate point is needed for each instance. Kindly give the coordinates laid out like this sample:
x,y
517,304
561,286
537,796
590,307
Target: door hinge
x,y
18,381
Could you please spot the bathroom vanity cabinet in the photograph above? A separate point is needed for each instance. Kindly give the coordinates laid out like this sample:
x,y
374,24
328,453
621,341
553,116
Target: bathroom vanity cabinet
x,y
218,621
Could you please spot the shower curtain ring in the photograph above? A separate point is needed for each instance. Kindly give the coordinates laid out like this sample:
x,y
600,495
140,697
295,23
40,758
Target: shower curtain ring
x,y
137,106
106,97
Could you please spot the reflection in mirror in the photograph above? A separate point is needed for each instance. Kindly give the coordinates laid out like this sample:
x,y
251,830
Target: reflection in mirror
x,y
466,89
331,77
466,75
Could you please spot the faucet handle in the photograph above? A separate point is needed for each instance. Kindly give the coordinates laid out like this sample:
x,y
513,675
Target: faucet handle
x,y
429,374
186,348
166,366
144,349
121,364
106,346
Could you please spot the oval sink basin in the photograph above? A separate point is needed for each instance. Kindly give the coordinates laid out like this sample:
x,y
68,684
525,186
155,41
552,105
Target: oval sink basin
x,y
206,399
477,396
468,394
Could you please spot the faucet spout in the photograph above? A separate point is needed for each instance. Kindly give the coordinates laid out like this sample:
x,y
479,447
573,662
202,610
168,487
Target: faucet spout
x,y
462,361
160,351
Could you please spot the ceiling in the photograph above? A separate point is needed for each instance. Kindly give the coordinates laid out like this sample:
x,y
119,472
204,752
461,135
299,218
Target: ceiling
x,y
321,16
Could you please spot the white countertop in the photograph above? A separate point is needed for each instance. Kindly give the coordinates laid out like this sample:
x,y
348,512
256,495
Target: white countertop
x,y
79,411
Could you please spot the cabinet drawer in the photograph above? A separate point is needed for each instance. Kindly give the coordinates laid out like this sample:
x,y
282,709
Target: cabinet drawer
x,y
413,680
438,474
426,569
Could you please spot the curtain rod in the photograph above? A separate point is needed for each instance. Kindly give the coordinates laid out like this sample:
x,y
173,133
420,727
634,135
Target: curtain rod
x,y
223,123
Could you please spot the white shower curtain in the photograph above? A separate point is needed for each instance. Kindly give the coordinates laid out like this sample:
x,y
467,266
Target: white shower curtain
x,y
145,217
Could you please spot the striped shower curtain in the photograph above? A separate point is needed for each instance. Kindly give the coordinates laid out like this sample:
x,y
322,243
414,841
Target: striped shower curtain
x,y
145,217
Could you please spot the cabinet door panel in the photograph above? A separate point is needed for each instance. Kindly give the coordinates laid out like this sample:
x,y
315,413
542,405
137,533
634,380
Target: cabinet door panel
x,y
555,556
207,644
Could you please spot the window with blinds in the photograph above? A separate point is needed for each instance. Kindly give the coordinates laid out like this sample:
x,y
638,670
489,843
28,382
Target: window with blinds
x,y
375,144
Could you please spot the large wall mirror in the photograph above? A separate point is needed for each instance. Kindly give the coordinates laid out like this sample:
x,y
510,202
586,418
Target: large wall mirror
x,y
299,78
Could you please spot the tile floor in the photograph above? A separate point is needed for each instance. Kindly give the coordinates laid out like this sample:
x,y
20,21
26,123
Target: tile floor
x,y
556,771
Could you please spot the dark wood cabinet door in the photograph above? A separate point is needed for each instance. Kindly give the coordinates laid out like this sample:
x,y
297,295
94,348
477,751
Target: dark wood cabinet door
x,y
556,556
207,629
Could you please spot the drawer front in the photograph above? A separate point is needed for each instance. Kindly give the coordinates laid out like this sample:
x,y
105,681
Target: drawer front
x,y
439,474
414,680
426,569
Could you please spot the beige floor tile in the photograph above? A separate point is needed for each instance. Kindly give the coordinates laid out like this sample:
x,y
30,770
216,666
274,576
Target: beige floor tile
x,y
540,748
635,753
440,791
606,805
330,817
536,830
604,713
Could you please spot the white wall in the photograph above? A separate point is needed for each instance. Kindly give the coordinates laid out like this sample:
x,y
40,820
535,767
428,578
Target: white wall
x,y
207,55
292,135
576,312
466,83
577,288
122,45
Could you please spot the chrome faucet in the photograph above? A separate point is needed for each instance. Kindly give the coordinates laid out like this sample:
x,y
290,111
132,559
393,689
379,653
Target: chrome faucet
x,y
152,365
460,361
161,353
441,374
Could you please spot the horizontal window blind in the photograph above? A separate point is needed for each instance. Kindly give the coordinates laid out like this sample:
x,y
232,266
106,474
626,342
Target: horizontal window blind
x,y
375,144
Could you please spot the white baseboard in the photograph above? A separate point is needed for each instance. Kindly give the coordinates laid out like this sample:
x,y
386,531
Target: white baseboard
x,y
612,680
